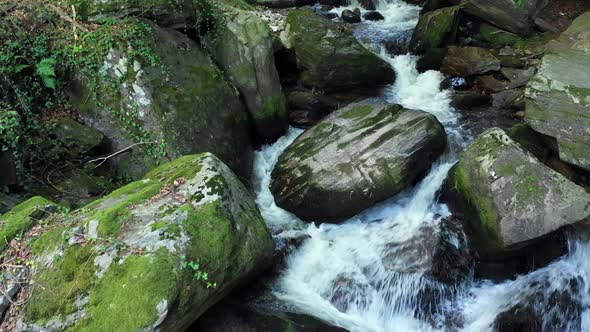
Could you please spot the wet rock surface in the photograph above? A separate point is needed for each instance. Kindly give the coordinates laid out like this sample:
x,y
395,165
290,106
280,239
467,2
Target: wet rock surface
x,y
355,157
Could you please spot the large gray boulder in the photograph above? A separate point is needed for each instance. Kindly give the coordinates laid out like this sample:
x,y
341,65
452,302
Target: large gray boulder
x,y
151,256
516,16
243,48
176,105
467,61
558,97
510,198
329,56
357,156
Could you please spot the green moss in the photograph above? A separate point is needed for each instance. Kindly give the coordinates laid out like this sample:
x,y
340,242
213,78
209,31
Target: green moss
x,y
497,36
434,28
113,210
486,219
127,296
183,167
48,241
59,286
357,112
21,218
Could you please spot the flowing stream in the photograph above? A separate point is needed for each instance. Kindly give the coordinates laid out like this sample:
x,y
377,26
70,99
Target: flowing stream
x,y
362,275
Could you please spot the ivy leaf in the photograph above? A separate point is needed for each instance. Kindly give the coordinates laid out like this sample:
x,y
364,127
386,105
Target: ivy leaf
x,y
46,69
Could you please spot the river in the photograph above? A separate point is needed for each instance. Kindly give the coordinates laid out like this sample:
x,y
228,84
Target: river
x,y
359,274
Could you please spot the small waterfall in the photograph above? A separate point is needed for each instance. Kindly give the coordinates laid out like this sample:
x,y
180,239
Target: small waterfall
x,y
368,273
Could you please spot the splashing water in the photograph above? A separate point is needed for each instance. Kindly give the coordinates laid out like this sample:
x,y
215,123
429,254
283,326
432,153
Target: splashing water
x,y
365,275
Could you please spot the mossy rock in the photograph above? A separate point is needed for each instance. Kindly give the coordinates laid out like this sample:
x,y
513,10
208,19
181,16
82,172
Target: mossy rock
x,y
328,55
558,97
357,156
516,16
510,198
76,138
167,102
243,48
167,13
23,217
153,255
435,29
467,61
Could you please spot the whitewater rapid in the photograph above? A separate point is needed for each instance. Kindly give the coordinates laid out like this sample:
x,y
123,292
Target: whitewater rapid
x,y
340,275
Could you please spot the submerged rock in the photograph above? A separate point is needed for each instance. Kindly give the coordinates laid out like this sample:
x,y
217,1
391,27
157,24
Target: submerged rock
x,y
329,56
558,97
467,61
243,48
178,105
350,16
373,16
510,199
435,29
357,156
153,255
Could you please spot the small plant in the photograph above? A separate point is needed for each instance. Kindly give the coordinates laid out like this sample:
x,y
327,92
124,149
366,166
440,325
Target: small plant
x,y
197,273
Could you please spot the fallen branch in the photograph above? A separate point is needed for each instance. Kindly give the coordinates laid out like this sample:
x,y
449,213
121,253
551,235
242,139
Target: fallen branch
x,y
104,159
66,17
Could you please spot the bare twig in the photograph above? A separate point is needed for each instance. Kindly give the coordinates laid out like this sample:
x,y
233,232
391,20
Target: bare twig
x,y
104,159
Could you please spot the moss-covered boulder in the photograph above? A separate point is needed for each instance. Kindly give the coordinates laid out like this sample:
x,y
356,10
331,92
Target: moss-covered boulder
x,y
167,13
159,92
467,61
510,198
75,138
516,16
243,48
153,255
328,55
357,156
435,29
558,97
24,216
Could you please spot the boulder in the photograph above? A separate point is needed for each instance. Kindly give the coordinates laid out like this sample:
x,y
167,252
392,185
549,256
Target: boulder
x,y
491,84
497,36
465,100
349,16
558,96
518,77
243,48
153,255
373,16
357,156
329,57
23,217
435,29
513,15
430,5
510,199
75,138
171,103
467,61
282,3
167,13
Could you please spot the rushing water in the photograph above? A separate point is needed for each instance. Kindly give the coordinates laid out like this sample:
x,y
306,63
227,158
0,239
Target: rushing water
x,y
359,274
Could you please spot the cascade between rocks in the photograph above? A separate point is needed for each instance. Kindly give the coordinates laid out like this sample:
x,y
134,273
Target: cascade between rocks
x,y
368,274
